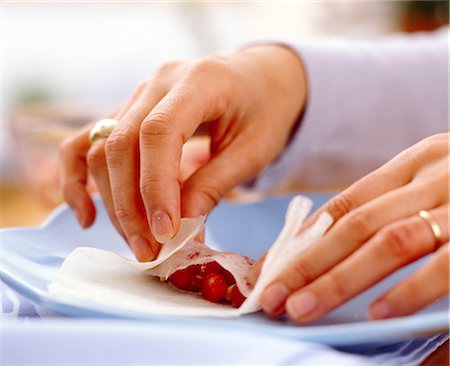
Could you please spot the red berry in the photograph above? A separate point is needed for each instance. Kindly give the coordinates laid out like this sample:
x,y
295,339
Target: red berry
x,y
215,282
187,279
214,287
214,267
229,279
210,267
236,297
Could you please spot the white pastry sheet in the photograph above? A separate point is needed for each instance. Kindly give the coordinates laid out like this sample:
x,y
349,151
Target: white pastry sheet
x,y
105,278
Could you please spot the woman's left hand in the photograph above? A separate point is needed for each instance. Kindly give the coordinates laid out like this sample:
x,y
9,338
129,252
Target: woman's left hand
x,y
377,230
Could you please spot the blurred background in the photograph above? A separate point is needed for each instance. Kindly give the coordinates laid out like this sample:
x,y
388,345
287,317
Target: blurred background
x,y
68,64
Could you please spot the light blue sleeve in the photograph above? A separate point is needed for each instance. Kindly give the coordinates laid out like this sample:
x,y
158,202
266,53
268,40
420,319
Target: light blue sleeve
x,y
367,101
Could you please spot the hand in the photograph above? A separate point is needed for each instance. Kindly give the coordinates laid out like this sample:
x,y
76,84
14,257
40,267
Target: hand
x,y
377,230
251,100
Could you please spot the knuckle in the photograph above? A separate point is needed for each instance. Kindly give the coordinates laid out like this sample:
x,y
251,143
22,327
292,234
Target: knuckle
x,y
427,144
156,187
207,66
125,214
254,161
158,121
157,125
341,205
410,290
339,290
140,86
95,157
439,141
398,239
149,187
166,68
211,193
435,181
118,142
198,77
429,149
302,274
360,223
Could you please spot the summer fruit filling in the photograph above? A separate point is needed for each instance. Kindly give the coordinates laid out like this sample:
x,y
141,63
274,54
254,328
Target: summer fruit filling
x,y
213,281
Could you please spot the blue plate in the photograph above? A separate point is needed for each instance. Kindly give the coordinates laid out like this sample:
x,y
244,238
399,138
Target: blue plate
x,y
31,258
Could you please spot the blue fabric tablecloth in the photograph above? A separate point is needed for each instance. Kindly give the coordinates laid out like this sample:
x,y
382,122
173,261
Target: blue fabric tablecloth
x,y
34,335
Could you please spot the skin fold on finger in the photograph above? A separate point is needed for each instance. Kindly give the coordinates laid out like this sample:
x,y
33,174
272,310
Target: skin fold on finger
x,y
352,231
423,154
98,169
395,246
428,284
122,152
74,176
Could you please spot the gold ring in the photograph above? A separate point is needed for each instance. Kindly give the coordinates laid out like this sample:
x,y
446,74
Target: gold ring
x,y
437,233
102,129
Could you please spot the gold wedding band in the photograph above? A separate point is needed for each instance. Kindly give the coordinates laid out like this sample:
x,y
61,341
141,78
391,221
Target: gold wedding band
x,y
437,233
102,129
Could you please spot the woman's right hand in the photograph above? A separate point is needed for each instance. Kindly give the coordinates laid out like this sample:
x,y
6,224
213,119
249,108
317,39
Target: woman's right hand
x,y
251,99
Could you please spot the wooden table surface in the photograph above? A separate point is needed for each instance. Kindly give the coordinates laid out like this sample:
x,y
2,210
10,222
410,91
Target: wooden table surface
x,y
20,208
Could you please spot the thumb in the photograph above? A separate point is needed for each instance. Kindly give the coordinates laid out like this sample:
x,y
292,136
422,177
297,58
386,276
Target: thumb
x,y
206,187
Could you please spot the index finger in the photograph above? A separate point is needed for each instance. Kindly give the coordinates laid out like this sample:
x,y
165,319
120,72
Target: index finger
x,y
162,135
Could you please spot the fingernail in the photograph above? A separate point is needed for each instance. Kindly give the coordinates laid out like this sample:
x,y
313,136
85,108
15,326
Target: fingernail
x,y
141,248
301,304
162,228
380,310
274,297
